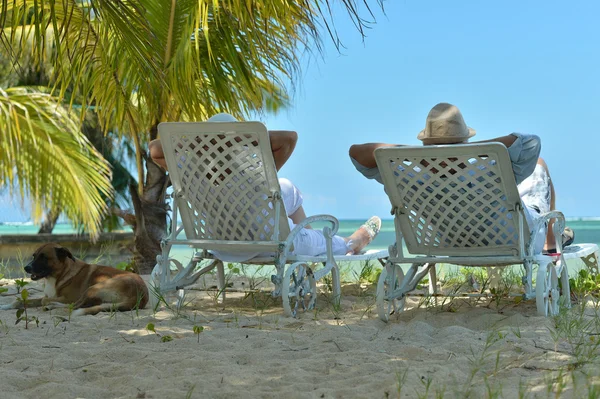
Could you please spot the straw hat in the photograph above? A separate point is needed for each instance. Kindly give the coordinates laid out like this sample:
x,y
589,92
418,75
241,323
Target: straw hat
x,y
445,125
222,117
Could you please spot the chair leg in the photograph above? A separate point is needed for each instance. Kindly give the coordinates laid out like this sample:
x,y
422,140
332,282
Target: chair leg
x,y
220,282
566,288
277,279
528,280
390,280
547,292
336,283
159,278
298,282
433,284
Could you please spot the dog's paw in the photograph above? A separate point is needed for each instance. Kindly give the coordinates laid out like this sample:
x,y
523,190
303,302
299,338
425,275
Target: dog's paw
x,y
53,305
78,312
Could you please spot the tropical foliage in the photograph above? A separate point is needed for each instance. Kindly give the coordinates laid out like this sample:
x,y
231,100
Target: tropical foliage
x,y
22,74
141,62
38,134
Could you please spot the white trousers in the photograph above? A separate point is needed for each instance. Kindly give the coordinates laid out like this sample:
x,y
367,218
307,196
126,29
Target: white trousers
x,y
309,242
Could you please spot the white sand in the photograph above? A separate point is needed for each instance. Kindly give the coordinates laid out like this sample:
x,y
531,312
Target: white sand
x,y
249,350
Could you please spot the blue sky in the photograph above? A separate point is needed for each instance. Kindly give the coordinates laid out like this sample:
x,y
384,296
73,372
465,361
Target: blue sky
x,y
511,66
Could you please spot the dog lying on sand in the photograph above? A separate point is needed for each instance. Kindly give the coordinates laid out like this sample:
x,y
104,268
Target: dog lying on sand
x,y
91,288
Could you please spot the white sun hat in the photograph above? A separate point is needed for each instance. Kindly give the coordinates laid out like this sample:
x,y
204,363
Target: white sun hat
x,y
222,117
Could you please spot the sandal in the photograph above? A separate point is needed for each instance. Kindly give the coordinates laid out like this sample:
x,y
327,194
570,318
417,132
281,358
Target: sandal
x,y
372,226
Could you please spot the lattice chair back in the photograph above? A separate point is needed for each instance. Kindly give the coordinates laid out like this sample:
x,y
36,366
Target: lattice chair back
x,y
454,200
224,181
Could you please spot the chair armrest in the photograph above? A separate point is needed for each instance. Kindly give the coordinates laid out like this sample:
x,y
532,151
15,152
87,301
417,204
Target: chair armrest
x,y
557,228
329,232
335,224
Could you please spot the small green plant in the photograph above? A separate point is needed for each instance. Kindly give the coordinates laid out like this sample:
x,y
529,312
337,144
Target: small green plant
x,y
516,331
197,331
334,305
522,390
400,381
492,391
188,395
163,338
4,267
159,296
347,273
113,311
20,284
426,382
22,313
140,296
70,309
328,281
21,262
104,253
57,320
127,266
230,272
150,327
2,289
255,278
368,273
585,283
233,269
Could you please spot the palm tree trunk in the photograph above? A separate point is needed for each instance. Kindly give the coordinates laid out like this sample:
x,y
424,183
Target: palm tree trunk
x,y
49,221
150,217
149,220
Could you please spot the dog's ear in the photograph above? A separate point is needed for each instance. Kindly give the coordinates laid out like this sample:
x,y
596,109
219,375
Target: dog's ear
x,y
62,253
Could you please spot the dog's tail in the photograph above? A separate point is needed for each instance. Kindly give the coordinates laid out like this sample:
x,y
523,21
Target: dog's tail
x,y
104,307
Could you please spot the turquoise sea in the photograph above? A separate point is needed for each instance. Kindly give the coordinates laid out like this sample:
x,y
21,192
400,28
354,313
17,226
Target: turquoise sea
x,y
587,230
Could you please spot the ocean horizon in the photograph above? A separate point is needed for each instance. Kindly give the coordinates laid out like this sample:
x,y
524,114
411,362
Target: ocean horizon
x,y
587,229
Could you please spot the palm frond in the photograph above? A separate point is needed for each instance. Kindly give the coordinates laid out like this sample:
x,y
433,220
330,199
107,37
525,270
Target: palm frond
x,y
140,62
45,157
184,57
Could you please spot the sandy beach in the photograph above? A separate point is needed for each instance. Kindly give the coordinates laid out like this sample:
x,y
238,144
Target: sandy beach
x,y
247,348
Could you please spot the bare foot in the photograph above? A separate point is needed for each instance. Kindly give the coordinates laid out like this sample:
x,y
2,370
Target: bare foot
x,y
364,235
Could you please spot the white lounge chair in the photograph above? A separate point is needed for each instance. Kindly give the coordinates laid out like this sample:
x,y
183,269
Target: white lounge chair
x,y
459,204
227,195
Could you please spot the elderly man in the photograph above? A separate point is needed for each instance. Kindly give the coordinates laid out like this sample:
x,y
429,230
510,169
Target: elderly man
x,y
445,125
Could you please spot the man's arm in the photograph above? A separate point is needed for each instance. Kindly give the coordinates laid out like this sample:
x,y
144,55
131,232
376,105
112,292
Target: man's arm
x,y
156,153
506,140
364,154
283,143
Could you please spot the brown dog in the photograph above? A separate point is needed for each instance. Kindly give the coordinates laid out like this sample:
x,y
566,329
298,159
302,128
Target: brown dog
x,y
91,288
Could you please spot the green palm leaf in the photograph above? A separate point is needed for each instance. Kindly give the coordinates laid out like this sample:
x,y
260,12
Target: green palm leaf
x,y
45,157
141,62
